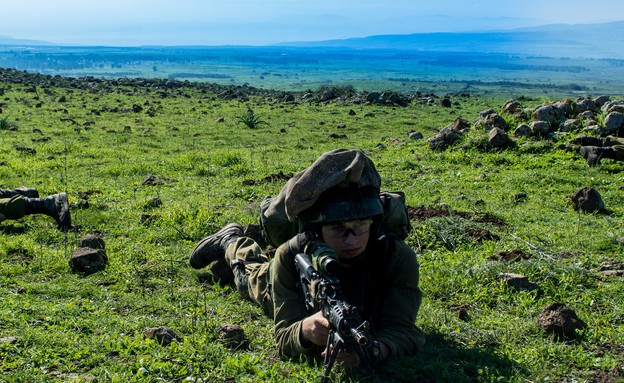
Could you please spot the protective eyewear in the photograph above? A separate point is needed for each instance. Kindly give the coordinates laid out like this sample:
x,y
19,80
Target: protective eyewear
x,y
343,229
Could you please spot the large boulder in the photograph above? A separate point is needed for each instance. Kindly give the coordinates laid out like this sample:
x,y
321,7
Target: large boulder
x,y
614,122
587,199
548,113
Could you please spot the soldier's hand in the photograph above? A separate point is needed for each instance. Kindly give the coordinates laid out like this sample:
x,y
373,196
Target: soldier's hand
x,y
315,329
345,359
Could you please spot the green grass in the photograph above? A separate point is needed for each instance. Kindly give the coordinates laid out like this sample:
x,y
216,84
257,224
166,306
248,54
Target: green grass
x,y
71,328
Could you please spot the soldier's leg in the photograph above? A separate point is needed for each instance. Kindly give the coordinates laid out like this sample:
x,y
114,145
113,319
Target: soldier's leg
x,y
251,269
24,191
12,208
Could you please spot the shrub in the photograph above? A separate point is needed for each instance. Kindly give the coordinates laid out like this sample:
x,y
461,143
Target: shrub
x,y
250,119
5,124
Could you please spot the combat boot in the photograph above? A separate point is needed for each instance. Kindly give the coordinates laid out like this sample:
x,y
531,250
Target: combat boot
x,y
593,154
55,206
213,247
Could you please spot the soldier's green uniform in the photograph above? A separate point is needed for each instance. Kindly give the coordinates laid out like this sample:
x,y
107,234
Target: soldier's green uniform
x,y
384,283
381,279
12,207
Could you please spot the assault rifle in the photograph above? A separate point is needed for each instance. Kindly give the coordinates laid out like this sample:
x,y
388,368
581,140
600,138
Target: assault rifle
x,y
322,292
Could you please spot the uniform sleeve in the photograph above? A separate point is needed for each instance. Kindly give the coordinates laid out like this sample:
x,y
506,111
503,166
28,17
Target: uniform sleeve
x,y
397,328
288,306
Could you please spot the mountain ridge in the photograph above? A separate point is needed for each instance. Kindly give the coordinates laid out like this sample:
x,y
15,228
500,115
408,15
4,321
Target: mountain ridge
x,y
604,40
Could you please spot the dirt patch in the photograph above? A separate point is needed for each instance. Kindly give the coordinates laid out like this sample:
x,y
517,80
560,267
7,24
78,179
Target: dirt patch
x,y
616,374
480,235
421,213
511,256
281,176
19,256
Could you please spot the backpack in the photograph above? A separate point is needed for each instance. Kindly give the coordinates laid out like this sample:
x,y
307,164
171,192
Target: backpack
x,y
277,228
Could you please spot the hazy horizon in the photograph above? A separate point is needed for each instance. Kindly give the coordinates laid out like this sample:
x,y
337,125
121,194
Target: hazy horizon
x,y
239,22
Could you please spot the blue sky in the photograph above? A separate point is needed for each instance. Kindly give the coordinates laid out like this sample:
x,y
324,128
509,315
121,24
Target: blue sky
x,y
262,22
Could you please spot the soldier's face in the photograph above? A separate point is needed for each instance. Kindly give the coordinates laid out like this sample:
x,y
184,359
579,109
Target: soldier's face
x,y
347,239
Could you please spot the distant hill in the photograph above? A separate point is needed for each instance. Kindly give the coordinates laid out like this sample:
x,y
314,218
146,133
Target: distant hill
x,y
558,40
6,40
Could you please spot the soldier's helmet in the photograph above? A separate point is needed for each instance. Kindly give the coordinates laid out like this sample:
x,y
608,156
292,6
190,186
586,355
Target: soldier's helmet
x,y
343,203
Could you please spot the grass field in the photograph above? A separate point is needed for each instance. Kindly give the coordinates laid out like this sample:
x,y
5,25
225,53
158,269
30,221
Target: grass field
x,y
102,140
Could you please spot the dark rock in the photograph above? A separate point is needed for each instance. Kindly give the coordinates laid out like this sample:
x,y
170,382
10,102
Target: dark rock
x,y
540,128
587,199
445,138
415,135
233,336
517,281
499,139
560,321
92,241
548,113
161,335
87,261
523,130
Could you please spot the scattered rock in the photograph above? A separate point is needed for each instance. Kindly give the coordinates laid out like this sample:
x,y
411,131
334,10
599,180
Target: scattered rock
x,y
87,260
612,269
523,130
449,135
560,321
587,199
155,202
92,241
517,282
161,335
520,197
513,255
152,180
548,113
8,339
497,138
540,128
413,135
512,107
233,336
613,123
